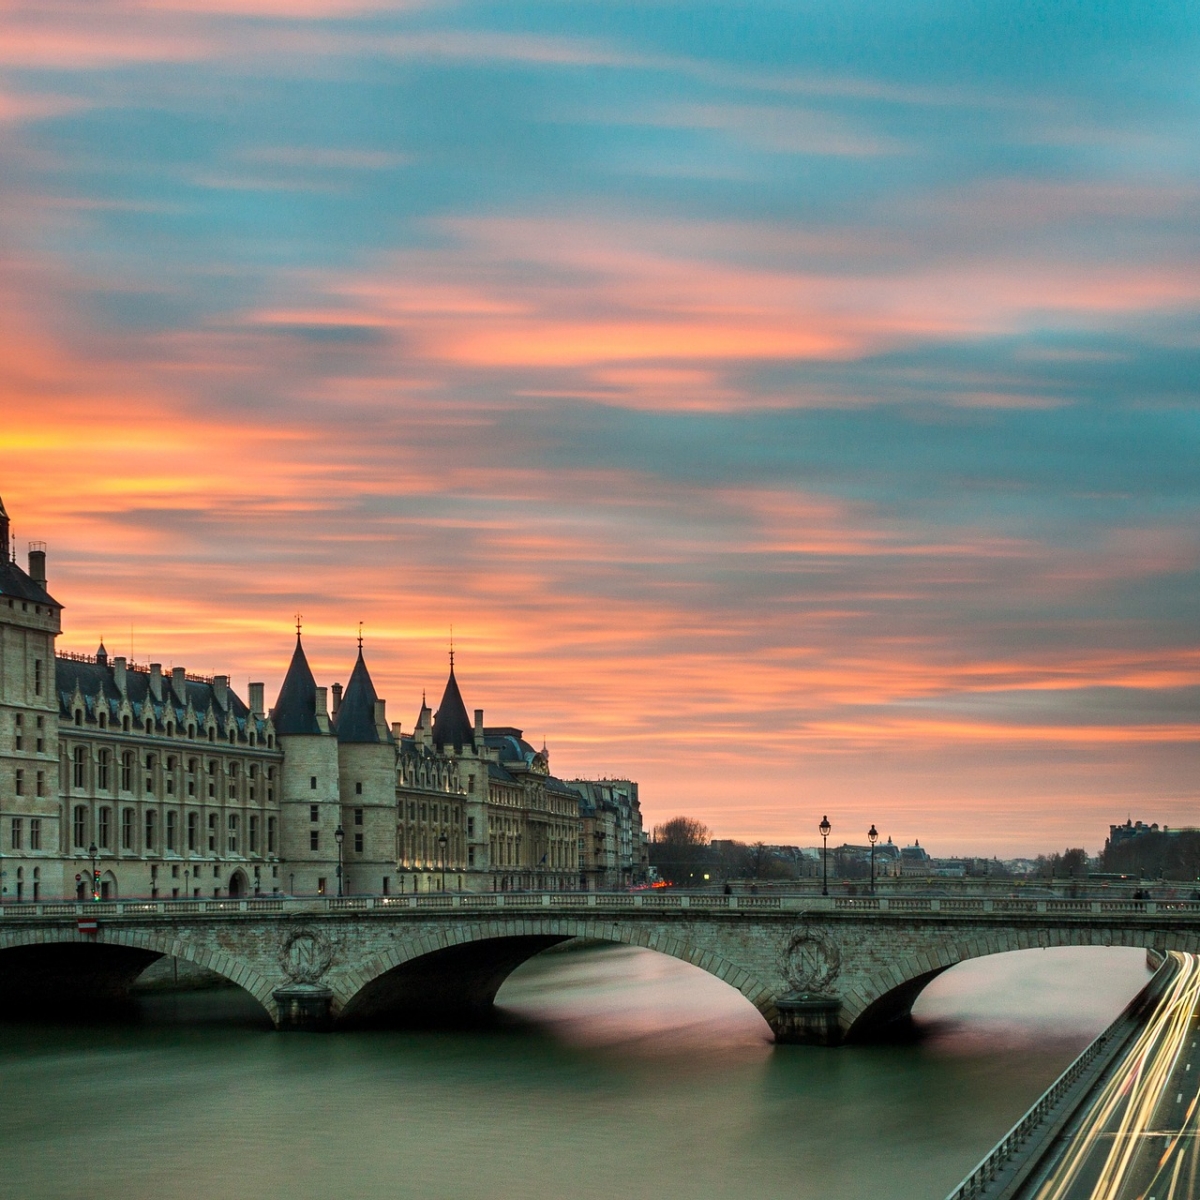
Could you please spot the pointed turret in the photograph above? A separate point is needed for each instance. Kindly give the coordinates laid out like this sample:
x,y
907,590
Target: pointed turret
x,y
3,531
102,655
451,725
295,711
356,715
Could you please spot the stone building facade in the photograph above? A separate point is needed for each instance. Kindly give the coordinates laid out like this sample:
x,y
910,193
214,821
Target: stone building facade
x,y
127,780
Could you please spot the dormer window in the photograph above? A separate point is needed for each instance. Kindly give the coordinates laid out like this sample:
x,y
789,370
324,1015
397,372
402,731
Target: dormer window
x,y
102,720
212,734
79,716
192,732
125,724
170,729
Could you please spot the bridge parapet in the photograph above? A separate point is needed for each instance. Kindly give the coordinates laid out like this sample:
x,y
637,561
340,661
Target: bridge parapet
x,y
606,901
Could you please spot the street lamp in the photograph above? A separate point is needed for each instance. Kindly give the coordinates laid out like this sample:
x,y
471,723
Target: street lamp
x,y
442,844
872,837
94,855
520,876
824,829
339,836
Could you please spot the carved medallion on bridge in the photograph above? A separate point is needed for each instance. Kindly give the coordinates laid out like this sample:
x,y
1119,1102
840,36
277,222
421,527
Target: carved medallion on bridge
x,y
305,955
811,962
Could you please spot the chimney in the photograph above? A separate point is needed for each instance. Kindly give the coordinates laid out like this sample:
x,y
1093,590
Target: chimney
x,y
179,684
479,726
119,673
221,690
37,563
337,698
381,716
256,699
156,681
322,702
397,731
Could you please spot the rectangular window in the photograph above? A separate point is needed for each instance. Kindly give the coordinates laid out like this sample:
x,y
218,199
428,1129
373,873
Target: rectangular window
x,y
470,856
102,827
314,812
253,835
321,886
37,676
314,839
79,825
127,829
212,832
41,783
20,782
192,828
470,827
358,788
150,829
233,832
102,770
358,816
16,833
171,831
270,835
312,782
358,843
35,834
127,771
77,760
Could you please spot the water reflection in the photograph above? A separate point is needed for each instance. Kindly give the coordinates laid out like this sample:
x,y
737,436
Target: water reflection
x,y
614,1072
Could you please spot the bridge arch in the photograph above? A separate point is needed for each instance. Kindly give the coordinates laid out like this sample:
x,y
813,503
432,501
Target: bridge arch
x,y
480,956
131,951
884,1001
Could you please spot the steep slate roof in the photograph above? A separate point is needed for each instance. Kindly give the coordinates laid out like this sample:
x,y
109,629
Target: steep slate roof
x,y
355,719
295,711
451,725
15,583
93,678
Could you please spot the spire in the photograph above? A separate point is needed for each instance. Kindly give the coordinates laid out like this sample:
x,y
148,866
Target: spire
x,y
295,711
3,531
451,725
356,714
102,655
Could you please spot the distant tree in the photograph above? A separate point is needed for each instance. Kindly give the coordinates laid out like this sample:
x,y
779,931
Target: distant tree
x,y
681,852
683,831
1073,863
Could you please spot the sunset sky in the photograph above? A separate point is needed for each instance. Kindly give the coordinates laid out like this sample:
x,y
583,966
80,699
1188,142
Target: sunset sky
x,y
793,407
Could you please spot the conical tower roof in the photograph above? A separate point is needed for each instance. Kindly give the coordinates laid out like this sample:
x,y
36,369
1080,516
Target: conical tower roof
x,y
295,711
356,714
451,725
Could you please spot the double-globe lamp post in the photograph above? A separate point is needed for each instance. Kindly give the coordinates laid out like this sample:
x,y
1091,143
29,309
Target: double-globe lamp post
x,y
872,837
339,836
824,828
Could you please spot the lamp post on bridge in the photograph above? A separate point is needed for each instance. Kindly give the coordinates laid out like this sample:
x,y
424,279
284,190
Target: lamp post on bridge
x,y
442,845
94,855
824,829
339,836
872,837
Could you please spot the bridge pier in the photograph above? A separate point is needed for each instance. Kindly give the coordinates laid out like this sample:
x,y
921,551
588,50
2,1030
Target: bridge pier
x,y
304,1008
805,1020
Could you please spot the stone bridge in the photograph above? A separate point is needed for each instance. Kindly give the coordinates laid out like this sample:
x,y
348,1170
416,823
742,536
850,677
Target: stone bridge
x,y
819,969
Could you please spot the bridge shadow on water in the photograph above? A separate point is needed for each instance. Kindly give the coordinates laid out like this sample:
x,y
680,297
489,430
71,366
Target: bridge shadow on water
x,y
605,1071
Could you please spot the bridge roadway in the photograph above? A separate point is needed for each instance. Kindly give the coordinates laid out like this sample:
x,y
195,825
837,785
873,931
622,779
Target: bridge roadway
x,y
820,969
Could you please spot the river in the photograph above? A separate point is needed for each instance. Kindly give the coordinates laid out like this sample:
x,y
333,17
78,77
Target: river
x,y
613,1072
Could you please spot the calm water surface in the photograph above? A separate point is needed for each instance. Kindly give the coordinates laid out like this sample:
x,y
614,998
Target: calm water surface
x,y
616,1073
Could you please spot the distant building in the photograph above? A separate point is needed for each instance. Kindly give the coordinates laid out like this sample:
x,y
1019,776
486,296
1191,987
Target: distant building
x,y
170,784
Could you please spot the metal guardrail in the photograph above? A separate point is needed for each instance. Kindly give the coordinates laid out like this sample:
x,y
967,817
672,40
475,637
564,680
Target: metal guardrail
x,y
1187,911
1110,1042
